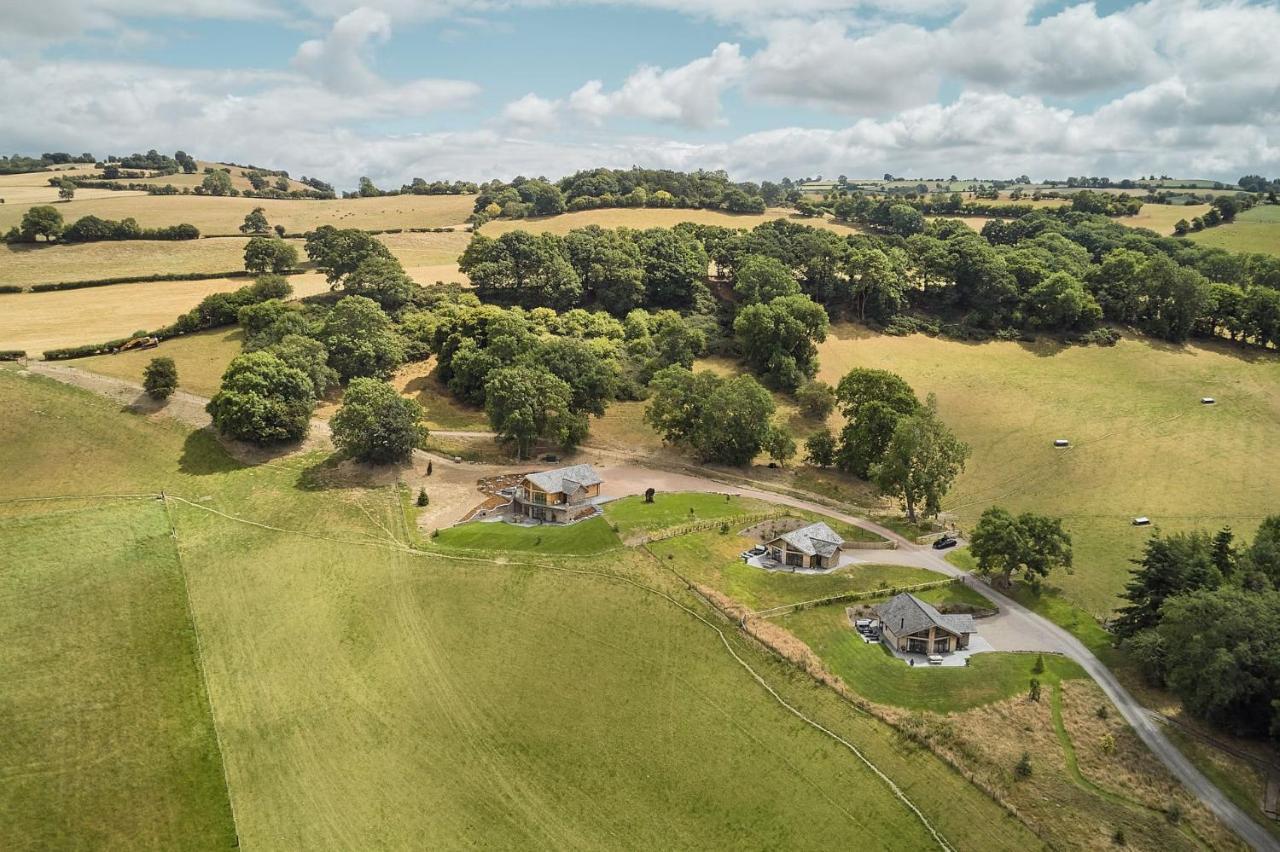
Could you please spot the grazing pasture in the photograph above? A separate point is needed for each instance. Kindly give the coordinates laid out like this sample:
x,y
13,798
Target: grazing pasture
x,y
108,740
201,359
223,215
1255,230
39,321
1142,444
482,702
28,188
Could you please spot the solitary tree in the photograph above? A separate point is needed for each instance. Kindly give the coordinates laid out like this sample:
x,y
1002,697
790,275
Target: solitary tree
x,y
921,462
262,400
256,222
66,190
41,221
376,424
269,254
160,378
217,182
1030,543
820,448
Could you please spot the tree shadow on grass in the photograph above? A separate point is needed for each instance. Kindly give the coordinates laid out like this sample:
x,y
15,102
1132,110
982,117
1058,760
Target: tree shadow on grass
x,y
336,471
202,455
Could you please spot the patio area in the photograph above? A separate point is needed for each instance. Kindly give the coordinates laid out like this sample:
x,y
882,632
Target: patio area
x,y
977,645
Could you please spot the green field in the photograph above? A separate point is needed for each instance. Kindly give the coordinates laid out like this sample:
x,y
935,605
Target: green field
x,y
370,696
1142,444
580,539
874,673
1256,230
632,514
108,741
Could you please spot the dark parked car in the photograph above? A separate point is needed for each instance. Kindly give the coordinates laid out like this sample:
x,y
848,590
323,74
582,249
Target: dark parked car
x,y
551,457
944,542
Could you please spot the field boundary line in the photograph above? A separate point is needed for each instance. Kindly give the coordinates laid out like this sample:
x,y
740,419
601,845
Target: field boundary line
x,y
783,609
204,677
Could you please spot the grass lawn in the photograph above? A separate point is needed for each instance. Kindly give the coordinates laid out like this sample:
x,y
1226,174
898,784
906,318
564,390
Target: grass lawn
x,y
632,514
39,321
712,559
874,673
201,359
108,741
1256,230
370,697
580,539
1142,444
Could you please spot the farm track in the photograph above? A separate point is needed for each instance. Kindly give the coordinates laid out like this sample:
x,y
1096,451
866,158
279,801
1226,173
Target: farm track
x,y
189,408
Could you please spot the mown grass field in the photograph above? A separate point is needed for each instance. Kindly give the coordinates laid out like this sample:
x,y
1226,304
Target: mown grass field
x,y
644,217
39,321
223,215
1256,230
631,515
581,539
426,257
108,740
201,359
368,696
1142,444
1162,217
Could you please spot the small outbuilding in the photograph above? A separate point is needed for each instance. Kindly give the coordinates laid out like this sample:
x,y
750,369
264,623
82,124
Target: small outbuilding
x,y
814,546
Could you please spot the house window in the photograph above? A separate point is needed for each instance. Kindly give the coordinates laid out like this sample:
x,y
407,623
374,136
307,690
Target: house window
x,y
796,559
942,645
917,645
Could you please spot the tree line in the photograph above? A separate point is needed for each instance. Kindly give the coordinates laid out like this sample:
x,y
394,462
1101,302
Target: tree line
x,y
46,222
1203,618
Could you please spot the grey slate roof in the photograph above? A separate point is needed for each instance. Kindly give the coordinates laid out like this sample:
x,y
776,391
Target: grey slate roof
x,y
566,479
814,540
905,614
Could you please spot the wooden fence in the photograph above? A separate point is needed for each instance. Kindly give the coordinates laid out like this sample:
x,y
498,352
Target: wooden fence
x,y
854,596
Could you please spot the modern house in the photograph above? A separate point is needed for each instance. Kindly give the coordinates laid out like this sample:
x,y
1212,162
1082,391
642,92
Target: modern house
x,y
911,625
560,495
814,546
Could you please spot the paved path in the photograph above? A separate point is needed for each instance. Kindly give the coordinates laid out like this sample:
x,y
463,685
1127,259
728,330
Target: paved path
x,y
627,477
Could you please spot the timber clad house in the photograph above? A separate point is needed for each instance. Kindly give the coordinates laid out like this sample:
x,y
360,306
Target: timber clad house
x,y
559,495
911,625
814,546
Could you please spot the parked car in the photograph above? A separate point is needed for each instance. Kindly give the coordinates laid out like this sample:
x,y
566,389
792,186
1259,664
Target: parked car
x,y
551,457
944,542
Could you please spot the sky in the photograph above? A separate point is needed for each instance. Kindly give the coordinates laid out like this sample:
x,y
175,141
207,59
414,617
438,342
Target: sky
x,y
476,89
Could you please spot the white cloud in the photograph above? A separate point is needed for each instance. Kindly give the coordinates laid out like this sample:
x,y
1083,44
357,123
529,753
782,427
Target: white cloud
x,y
688,95
531,111
338,60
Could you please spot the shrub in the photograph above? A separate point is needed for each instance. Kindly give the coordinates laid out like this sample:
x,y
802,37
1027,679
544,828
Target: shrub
x,y
423,499
160,378
10,288
817,399
1173,813
1038,668
1023,767
12,354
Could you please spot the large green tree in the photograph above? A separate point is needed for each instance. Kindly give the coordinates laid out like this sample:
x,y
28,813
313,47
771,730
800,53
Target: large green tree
x,y
779,338
520,268
759,278
376,424
217,182
337,252
41,221
591,375
262,400
1171,565
528,403
609,265
1029,544
722,420
160,378
921,462
269,254
360,339
382,279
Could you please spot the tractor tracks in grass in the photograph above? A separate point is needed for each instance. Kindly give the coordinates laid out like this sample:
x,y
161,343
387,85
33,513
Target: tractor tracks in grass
x,y
892,786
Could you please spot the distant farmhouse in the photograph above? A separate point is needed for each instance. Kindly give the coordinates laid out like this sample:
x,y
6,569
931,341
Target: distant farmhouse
x,y
559,495
814,546
911,625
